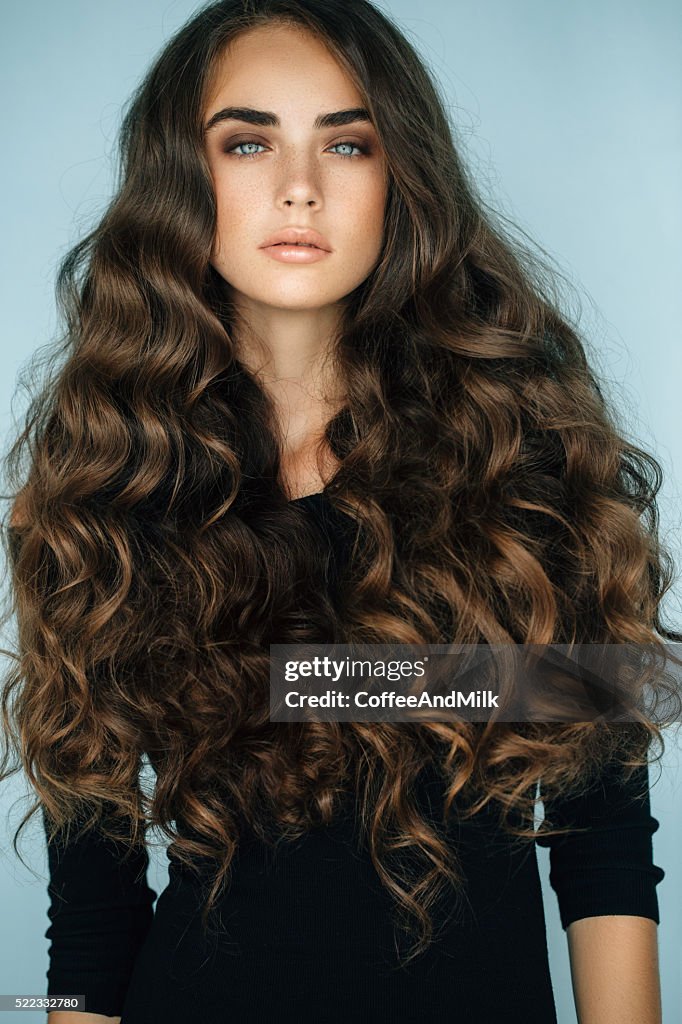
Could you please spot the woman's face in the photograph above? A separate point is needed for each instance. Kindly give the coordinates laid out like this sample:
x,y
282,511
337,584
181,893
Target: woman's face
x,y
267,177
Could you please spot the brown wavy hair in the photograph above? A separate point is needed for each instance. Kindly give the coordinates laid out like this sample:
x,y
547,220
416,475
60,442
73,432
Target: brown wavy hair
x,y
491,493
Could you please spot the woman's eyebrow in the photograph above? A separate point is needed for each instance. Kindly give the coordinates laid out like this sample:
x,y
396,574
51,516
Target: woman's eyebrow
x,y
266,119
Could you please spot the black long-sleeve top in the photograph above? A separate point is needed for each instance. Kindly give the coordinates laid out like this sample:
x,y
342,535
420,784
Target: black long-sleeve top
x,y
308,929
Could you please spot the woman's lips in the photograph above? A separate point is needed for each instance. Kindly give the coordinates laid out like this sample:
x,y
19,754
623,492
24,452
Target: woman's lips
x,y
286,252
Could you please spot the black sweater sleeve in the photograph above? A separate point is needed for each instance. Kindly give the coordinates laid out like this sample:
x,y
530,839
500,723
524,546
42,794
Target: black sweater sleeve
x,y
608,869
100,912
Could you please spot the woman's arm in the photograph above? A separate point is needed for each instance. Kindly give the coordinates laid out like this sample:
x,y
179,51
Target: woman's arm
x,y
605,880
614,969
76,1017
101,908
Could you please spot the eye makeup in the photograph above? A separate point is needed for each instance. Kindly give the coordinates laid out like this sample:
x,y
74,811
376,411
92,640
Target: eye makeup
x,y
363,149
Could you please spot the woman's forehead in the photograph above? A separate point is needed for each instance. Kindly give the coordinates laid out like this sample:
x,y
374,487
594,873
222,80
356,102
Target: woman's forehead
x,y
275,63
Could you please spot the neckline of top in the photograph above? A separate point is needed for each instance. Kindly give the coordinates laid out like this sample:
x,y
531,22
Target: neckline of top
x,y
306,497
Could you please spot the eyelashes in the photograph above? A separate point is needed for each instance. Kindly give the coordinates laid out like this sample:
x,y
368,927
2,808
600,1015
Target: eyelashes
x,y
362,150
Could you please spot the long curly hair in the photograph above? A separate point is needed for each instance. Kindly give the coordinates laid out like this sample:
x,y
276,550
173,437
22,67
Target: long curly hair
x,y
490,492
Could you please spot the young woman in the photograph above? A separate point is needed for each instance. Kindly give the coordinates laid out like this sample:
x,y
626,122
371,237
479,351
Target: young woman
x,y
310,392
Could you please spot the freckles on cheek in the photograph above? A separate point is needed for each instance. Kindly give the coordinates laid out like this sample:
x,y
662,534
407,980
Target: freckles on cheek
x,y
372,216
364,205
238,204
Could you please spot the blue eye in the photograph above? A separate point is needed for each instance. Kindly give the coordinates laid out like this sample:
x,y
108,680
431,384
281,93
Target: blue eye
x,y
353,145
238,144
361,151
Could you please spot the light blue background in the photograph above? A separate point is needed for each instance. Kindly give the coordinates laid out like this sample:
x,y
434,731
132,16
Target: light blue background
x,y
571,117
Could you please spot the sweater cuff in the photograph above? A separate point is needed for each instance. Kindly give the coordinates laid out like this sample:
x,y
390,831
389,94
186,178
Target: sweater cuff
x,y
105,981
606,891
